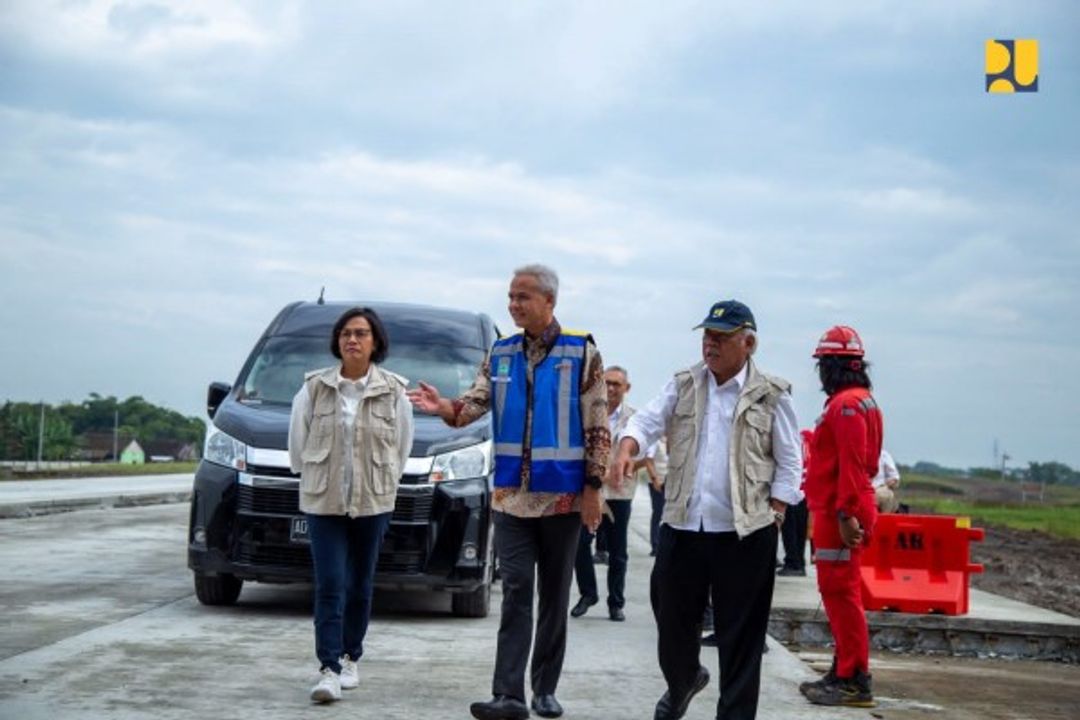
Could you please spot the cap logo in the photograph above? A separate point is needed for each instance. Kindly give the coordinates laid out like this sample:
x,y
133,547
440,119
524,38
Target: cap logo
x,y
717,312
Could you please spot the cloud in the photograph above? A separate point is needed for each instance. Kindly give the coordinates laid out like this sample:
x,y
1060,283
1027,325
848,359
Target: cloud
x,y
172,173
104,29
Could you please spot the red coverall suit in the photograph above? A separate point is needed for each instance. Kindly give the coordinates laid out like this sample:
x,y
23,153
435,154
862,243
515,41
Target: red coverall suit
x,y
843,459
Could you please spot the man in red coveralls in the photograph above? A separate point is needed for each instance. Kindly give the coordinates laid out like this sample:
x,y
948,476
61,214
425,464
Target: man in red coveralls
x,y
843,459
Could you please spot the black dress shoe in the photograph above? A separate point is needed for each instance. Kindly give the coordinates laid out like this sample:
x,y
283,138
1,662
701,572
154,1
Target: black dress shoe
x,y
500,707
582,606
791,572
616,614
668,709
546,706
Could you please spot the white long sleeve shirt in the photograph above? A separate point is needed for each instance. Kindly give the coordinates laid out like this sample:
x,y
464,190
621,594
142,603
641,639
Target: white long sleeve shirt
x,y
710,503
887,470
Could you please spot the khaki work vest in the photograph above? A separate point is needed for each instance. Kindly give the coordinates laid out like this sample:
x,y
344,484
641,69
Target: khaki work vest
x,y
751,465
376,456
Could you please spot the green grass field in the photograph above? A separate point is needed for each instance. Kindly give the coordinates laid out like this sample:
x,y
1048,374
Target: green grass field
x,y
995,502
1059,521
102,470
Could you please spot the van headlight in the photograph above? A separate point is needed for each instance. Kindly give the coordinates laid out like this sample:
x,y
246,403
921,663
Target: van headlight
x,y
467,462
223,449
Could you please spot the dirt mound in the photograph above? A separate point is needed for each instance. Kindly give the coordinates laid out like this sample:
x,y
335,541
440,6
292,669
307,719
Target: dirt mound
x,y
1030,566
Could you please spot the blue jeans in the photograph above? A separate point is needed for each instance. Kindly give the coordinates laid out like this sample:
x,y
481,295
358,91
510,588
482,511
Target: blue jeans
x,y
345,551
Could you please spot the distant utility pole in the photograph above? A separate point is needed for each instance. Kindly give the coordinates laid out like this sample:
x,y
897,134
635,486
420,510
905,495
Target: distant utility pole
x,y
116,436
41,434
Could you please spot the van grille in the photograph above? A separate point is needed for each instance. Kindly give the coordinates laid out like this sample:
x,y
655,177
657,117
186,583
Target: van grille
x,y
412,506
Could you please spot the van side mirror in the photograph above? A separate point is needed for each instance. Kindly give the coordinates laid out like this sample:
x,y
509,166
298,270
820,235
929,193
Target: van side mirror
x,y
215,394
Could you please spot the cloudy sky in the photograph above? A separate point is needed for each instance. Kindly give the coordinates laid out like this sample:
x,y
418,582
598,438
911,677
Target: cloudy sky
x,y
173,172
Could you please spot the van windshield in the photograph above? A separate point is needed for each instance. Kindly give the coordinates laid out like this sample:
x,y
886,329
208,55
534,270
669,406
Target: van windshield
x,y
278,370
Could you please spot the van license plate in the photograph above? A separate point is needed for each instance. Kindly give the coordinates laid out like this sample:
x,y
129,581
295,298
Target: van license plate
x,y
298,530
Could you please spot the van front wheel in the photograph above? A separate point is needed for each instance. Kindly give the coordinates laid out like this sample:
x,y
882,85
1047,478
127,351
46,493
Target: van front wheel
x,y
221,589
475,604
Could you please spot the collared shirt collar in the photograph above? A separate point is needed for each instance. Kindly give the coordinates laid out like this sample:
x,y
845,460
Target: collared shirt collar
x,y
360,383
547,337
738,381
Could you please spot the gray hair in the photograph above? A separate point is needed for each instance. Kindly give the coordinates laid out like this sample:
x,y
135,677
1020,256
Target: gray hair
x,y
750,332
618,369
546,278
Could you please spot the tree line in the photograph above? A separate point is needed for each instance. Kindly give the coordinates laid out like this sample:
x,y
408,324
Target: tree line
x,y
1049,473
66,425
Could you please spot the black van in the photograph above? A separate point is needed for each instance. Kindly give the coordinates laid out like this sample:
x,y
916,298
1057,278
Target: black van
x,y
245,520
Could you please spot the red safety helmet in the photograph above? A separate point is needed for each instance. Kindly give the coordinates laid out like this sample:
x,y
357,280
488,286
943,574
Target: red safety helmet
x,y
839,340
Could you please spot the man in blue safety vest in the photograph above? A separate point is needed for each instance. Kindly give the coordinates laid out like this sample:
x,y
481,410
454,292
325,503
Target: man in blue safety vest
x,y
545,389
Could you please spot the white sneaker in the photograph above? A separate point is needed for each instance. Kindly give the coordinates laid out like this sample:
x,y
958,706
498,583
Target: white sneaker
x,y
328,689
350,674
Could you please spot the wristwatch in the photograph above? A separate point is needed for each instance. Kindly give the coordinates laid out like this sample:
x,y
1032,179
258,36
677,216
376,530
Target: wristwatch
x,y
594,482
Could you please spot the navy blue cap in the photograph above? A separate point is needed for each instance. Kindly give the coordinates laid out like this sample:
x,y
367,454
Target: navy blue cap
x,y
728,316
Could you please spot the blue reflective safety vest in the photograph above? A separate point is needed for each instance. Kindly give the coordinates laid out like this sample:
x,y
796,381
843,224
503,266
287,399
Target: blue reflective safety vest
x,y
558,439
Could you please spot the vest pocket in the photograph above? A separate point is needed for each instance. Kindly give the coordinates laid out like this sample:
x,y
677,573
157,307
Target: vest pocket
x,y
759,431
382,412
385,470
316,473
680,442
759,478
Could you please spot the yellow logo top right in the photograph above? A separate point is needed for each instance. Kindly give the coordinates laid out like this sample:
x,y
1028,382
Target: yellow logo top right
x,y
1012,66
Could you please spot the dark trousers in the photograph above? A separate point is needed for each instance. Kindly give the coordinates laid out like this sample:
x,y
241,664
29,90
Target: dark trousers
x,y
794,533
657,499
740,576
344,552
618,556
540,552
601,538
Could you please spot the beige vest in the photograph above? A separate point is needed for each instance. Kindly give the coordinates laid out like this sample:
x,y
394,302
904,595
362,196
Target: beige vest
x,y
376,444
750,461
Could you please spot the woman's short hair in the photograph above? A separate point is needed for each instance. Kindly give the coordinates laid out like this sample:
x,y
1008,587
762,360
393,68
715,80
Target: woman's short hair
x,y
378,332
838,372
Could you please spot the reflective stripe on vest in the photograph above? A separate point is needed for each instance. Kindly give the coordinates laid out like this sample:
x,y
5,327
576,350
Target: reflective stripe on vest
x,y
558,440
829,555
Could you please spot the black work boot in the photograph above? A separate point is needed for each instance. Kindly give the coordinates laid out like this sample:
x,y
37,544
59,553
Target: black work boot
x,y
855,691
827,678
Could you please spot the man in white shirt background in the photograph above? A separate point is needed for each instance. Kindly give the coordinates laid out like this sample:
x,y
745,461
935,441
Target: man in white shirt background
x,y
885,483
616,523
734,464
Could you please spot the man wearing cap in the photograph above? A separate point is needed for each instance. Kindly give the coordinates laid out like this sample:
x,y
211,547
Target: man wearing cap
x,y
734,466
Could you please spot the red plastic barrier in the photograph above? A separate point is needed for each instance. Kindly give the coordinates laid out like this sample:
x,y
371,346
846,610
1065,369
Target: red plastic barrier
x,y
919,564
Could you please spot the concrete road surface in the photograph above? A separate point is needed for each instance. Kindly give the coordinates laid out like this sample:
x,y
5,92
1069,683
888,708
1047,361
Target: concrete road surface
x,y
100,621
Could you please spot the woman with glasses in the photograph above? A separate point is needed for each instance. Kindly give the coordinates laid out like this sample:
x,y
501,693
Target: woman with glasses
x,y
349,436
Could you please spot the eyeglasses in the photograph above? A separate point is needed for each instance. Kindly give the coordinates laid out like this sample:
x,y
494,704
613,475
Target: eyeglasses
x,y
358,334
